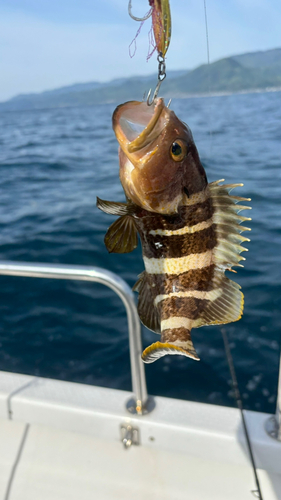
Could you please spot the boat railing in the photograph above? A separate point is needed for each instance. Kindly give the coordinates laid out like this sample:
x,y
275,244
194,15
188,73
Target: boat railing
x,y
140,403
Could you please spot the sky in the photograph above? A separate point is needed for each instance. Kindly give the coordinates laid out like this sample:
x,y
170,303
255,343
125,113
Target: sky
x,y
46,44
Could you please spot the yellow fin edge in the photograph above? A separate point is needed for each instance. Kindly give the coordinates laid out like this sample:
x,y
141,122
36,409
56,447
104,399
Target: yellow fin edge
x,y
159,349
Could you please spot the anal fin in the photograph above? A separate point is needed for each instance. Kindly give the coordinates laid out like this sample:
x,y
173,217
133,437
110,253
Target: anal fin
x,y
148,313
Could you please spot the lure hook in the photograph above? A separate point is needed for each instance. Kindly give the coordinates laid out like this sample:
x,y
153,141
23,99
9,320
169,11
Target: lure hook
x,y
161,77
155,94
141,19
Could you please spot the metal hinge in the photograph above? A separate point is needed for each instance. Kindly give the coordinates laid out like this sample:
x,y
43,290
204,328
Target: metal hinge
x,y
129,435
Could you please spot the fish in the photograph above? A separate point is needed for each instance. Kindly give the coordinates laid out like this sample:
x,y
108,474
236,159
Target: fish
x,y
190,230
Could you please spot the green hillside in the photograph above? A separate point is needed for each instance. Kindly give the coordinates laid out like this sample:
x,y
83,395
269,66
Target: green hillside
x,y
225,75
245,72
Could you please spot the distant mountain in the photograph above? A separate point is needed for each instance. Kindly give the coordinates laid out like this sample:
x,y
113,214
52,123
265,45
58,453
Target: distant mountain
x,y
87,94
246,72
232,74
265,59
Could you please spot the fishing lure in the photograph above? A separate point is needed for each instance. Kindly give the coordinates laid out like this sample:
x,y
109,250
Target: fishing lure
x,y
189,229
162,30
161,23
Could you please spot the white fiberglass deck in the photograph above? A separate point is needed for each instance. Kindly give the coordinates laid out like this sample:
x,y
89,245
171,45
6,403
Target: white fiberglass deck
x,y
61,441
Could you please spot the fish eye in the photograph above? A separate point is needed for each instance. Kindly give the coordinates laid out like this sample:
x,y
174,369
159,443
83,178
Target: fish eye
x,y
178,150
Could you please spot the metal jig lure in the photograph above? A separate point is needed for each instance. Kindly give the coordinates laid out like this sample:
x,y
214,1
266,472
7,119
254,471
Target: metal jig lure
x,y
162,28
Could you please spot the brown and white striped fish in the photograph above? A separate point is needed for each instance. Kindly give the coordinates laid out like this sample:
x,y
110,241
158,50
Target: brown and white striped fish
x,y
189,229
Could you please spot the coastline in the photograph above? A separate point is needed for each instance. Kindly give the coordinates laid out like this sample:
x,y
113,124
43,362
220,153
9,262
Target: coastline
x,y
7,107
223,93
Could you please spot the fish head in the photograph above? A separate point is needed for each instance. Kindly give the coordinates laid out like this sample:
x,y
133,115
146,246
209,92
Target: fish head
x,y
159,163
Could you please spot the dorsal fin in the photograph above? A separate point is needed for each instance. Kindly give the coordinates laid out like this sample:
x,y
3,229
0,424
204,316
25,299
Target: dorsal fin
x,y
122,236
227,302
228,228
148,313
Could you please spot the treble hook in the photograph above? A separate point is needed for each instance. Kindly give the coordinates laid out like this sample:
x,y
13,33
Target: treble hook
x,y
161,78
141,19
155,94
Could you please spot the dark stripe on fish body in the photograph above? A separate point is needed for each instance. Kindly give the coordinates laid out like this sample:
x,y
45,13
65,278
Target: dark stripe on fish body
x,y
194,214
161,246
195,279
170,335
187,216
200,212
187,307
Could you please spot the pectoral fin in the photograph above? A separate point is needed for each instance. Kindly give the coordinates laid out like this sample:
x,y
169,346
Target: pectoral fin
x,y
115,207
122,236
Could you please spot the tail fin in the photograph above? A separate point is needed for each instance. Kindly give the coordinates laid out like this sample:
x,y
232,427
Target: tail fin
x,y
173,341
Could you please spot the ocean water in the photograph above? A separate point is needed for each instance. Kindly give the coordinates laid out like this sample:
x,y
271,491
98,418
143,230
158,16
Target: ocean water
x,y
53,164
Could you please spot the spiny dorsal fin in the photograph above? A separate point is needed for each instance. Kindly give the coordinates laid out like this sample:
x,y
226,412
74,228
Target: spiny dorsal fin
x,y
227,302
228,228
115,207
122,236
147,311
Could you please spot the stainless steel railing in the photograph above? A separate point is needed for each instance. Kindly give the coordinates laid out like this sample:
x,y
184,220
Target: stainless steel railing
x,y
141,403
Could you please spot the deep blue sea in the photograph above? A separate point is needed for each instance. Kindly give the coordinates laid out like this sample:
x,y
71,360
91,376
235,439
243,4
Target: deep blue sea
x,y
53,164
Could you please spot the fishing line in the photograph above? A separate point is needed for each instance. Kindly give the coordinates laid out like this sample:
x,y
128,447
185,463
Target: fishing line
x,y
257,493
209,75
207,33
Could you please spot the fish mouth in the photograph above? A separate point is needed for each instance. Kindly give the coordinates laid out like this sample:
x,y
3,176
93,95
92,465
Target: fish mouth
x,y
136,124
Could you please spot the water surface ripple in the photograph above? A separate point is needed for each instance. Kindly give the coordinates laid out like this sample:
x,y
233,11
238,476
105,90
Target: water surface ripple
x,y
53,165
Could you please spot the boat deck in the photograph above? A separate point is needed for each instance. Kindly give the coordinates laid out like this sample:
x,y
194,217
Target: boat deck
x,y
62,441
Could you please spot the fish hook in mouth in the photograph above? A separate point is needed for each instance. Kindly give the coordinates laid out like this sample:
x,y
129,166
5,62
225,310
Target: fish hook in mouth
x,y
135,124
